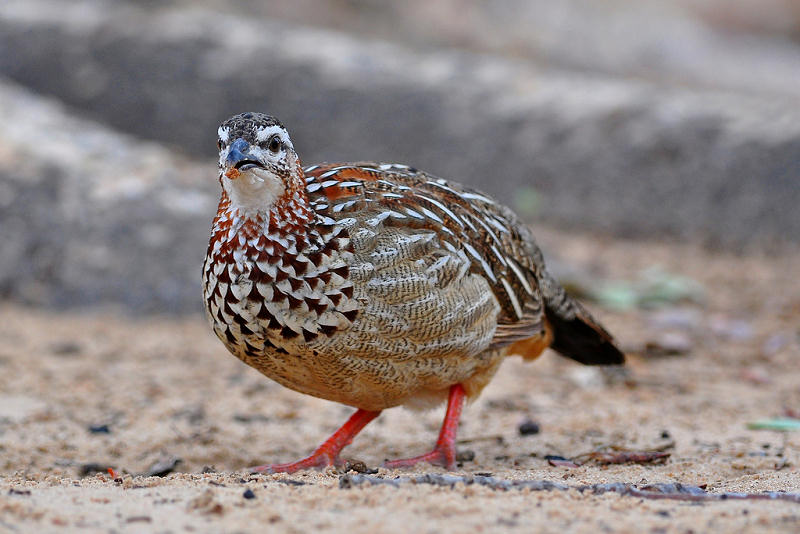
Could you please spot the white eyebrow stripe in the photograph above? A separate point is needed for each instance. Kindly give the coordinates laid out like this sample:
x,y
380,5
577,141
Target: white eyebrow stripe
x,y
223,134
264,133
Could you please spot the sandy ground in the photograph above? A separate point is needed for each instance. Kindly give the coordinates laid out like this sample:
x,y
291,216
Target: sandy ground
x,y
81,392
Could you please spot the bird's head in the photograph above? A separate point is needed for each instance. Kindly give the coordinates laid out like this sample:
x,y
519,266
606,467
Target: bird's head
x,y
257,162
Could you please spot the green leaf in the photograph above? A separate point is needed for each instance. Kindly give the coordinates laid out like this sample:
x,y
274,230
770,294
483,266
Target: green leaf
x,y
780,424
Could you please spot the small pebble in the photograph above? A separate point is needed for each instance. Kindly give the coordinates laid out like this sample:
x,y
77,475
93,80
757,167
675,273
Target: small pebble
x,y
66,348
139,519
560,461
359,467
465,455
528,428
163,467
99,429
248,494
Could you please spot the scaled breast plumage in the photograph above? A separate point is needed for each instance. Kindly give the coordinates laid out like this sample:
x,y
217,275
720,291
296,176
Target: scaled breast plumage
x,y
390,263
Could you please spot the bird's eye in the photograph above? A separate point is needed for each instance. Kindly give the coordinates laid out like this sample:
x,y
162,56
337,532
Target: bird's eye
x,y
275,144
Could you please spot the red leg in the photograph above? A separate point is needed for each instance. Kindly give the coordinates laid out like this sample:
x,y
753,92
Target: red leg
x,y
327,453
444,453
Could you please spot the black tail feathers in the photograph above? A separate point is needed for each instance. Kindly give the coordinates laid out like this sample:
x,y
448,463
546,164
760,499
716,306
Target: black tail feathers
x,y
583,339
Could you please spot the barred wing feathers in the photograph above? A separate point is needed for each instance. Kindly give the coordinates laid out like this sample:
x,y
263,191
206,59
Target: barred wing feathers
x,y
500,247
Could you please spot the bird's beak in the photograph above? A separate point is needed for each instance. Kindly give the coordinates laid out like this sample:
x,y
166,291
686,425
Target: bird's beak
x,y
239,159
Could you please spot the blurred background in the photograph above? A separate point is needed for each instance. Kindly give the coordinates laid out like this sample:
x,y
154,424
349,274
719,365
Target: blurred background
x,y
674,119
654,146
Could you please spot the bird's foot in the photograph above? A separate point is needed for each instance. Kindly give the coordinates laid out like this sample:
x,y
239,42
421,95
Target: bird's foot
x,y
327,453
443,455
318,460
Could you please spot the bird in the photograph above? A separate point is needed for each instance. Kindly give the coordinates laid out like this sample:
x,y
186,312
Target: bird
x,y
376,285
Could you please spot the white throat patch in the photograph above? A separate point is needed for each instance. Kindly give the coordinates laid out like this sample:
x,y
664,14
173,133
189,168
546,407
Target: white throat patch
x,y
254,189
